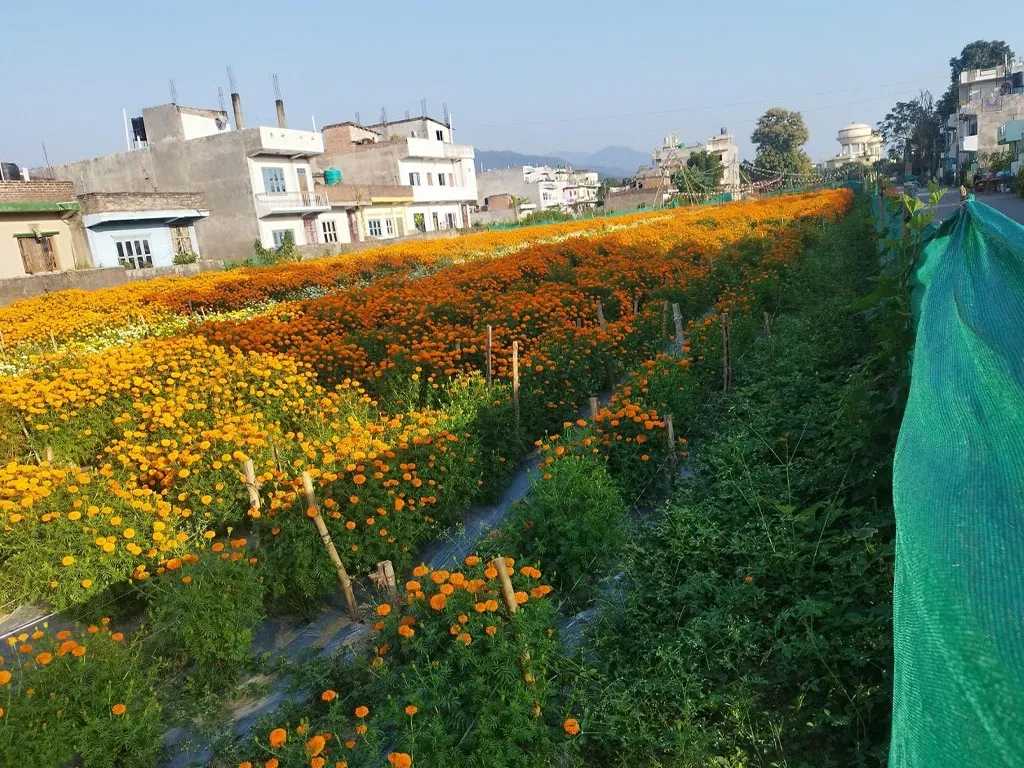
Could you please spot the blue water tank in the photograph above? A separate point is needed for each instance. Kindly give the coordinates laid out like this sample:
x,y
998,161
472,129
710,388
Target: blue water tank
x,y
332,176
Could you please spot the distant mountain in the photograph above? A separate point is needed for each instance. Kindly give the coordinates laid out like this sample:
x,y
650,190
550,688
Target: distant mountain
x,y
602,161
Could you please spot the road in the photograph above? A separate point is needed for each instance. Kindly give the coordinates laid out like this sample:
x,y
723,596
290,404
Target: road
x,y
1006,203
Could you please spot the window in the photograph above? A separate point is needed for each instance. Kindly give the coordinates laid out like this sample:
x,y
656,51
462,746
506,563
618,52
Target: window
x,y
273,180
451,179
440,135
134,254
389,227
38,254
440,180
181,241
330,231
414,179
437,226
451,220
430,179
373,227
420,222
279,235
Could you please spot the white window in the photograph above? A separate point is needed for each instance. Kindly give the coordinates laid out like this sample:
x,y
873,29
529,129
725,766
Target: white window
x,y
451,179
440,135
330,231
134,254
414,179
373,227
389,227
440,180
273,180
451,220
279,236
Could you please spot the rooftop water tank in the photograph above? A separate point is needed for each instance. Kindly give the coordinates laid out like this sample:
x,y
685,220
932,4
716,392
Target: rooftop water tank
x,y
332,176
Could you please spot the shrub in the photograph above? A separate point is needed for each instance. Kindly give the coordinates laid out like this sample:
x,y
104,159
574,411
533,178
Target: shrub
x,y
204,609
187,257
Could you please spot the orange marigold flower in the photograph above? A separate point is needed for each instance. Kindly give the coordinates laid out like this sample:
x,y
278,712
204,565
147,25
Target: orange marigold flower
x,y
400,760
413,586
437,602
480,607
521,597
472,560
79,651
465,638
317,762
117,637
173,564
63,634
420,571
748,579
491,630
350,744
439,577
362,711
383,609
245,764
272,763
119,709
302,729
328,695
406,631
315,746
278,737
218,547
360,729
5,677
44,658
492,605
411,710
571,726
491,572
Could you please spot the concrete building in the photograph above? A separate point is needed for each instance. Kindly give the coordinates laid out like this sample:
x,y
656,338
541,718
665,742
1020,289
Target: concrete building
x,y
672,155
540,187
988,99
141,230
1011,136
417,153
40,229
257,182
858,143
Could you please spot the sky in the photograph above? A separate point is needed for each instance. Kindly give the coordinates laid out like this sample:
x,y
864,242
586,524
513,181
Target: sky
x,y
530,77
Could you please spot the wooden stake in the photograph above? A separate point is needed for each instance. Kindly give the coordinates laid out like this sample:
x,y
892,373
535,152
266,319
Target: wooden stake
x,y
251,485
49,454
385,578
664,319
600,316
636,305
506,584
490,347
671,433
321,527
593,408
726,354
767,324
515,375
677,318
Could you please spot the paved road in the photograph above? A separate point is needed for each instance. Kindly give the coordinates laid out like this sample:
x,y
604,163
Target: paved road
x,y
1006,203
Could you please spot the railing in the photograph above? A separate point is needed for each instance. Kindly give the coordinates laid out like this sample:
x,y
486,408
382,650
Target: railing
x,y
283,202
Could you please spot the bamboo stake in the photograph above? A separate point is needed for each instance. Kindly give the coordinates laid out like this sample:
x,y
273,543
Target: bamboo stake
x,y
385,577
593,408
600,316
515,375
251,485
677,318
726,354
490,347
506,584
636,305
321,527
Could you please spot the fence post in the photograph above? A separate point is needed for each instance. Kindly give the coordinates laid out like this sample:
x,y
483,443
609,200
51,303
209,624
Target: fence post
x,y
600,317
726,354
505,580
385,577
515,376
321,527
671,434
677,319
593,408
636,305
252,486
664,319
490,346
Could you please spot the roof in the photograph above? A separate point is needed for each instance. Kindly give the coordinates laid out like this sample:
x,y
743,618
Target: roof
x,y
419,119
347,122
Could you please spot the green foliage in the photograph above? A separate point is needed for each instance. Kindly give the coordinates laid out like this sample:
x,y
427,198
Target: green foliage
x,y
702,173
188,257
205,612
287,251
910,132
1017,185
756,628
62,712
980,54
779,136
994,162
545,216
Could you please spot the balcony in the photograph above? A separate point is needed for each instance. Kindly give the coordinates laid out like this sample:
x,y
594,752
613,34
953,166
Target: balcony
x,y
968,143
267,140
271,203
438,149
458,151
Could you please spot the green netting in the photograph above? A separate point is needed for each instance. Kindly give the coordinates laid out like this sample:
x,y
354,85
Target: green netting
x,y
959,499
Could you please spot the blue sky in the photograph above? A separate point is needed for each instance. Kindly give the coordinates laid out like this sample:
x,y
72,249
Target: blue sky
x,y
532,77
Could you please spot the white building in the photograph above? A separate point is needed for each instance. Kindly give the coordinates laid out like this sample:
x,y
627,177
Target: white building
x,y
858,143
417,153
541,187
672,155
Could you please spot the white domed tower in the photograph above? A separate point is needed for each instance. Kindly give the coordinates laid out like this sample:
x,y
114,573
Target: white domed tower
x,y
859,142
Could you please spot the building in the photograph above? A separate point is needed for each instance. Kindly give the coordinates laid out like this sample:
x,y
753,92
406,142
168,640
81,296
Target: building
x,y
672,155
540,187
141,230
40,229
257,183
1011,136
858,143
418,154
988,99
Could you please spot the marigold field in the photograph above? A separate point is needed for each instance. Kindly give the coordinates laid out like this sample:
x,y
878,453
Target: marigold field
x,y
128,417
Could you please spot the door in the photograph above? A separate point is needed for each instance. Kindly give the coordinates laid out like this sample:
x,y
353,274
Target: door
x,y
38,255
304,188
353,227
309,224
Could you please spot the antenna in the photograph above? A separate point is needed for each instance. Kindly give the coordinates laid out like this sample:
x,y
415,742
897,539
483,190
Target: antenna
x,y
220,98
174,92
384,120
47,158
407,114
423,107
277,86
444,110
231,80
359,120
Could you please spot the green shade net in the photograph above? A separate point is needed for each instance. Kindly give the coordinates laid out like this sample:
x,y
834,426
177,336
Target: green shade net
x,y
959,499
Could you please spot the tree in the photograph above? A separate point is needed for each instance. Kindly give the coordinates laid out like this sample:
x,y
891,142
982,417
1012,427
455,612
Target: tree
x,y
977,55
702,173
910,133
779,136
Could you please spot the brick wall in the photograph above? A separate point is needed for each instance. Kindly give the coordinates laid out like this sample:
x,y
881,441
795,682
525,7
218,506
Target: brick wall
x,y
105,202
36,191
